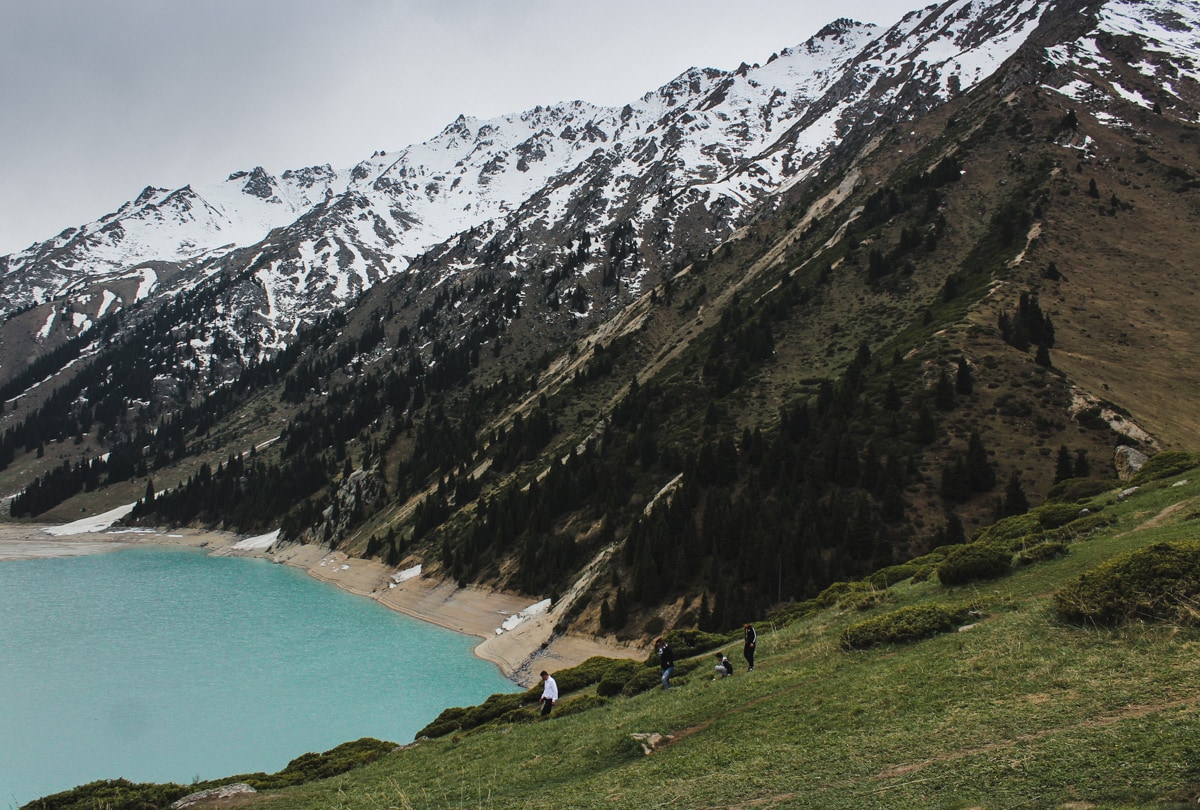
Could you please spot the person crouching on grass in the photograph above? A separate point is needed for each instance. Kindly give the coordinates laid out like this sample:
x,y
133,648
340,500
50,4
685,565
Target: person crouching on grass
x,y
724,667
549,693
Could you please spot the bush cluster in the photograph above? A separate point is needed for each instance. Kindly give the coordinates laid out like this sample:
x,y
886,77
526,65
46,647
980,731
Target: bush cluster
x,y
1041,552
906,624
121,794
1158,583
1076,490
1165,465
974,562
611,676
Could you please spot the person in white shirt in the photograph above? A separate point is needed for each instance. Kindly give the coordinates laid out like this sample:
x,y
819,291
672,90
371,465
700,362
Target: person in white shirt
x,y
549,693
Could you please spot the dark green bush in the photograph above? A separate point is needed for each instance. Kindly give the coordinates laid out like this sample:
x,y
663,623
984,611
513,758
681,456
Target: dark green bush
x,y
645,679
1010,532
113,794
1158,583
580,676
839,592
121,794
906,624
1053,515
1077,529
495,706
1165,465
974,562
617,676
1041,552
451,719
887,577
462,718
1074,490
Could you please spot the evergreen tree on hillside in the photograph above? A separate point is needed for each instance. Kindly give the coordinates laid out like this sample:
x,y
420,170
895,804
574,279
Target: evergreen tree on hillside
x,y
980,473
964,383
1063,466
1015,502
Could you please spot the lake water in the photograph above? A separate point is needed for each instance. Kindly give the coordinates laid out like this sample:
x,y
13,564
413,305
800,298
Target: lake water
x,y
167,665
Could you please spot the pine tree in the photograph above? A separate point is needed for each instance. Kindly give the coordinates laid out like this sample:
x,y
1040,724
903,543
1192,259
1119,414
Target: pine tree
x,y
1015,502
1083,467
926,427
891,397
1063,468
964,383
980,474
956,485
943,392
954,532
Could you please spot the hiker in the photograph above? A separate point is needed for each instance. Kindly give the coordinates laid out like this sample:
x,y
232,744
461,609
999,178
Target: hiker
x,y
549,693
666,659
751,641
724,667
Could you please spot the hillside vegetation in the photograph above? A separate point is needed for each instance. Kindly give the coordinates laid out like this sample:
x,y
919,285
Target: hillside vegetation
x,y
1018,703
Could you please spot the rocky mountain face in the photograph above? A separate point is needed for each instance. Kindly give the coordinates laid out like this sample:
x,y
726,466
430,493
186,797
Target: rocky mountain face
x,y
752,333
674,171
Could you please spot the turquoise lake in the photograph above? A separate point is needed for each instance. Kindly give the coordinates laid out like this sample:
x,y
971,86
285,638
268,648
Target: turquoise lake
x,y
167,665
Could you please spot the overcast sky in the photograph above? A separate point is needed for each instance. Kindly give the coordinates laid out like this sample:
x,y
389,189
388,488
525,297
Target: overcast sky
x,y
100,98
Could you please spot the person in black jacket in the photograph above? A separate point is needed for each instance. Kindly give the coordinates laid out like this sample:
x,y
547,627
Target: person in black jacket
x,y
666,660
751,642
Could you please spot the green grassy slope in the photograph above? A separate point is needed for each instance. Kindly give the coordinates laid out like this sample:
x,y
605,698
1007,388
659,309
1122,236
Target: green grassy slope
x,y
1017,710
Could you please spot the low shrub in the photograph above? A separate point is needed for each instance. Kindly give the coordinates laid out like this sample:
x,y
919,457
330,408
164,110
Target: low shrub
x,y
906,624
839,593
1041,552
617,676
1074,490
121,794
1079,528
580,676
463,718
1165,465
642,681
887,577
1157,583
1053,515
974,562
1010,530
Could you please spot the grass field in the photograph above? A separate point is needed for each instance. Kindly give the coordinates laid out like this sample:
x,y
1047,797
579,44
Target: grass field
x,y
1015,710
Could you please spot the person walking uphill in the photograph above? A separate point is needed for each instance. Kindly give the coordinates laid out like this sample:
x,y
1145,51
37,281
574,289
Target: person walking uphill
x,y
549,693
751,642
666,659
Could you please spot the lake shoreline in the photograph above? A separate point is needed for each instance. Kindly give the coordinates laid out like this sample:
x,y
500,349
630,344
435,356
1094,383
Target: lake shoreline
x,y
513,634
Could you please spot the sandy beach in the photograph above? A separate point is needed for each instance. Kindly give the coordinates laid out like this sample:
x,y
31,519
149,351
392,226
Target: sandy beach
x,y
515,633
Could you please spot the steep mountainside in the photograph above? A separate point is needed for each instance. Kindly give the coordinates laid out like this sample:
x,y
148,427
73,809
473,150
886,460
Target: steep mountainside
x,y
673,363
703,149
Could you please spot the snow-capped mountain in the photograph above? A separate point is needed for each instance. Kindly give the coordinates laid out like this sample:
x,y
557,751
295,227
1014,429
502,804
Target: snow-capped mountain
x,y
676,170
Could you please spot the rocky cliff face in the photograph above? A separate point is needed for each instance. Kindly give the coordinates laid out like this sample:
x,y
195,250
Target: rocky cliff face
x,y
584,200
